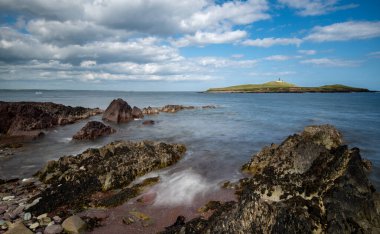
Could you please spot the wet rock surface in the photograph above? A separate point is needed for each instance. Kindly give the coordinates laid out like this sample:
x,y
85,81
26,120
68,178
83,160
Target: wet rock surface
x,y
27,119
309,183
93,130
98,177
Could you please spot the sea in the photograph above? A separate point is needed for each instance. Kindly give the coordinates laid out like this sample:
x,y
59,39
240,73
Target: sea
x,y
219,141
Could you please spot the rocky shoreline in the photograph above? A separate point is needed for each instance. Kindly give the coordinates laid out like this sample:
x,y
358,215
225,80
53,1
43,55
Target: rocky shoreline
x,y
96,178
28,119
310,183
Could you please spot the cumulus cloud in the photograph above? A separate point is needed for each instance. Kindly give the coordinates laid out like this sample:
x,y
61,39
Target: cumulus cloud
x,y
316,7
307,52
351,30
268,42
327,62
203,38
278,58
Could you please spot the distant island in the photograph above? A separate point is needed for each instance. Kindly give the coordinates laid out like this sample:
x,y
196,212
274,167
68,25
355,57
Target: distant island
x,y
280,86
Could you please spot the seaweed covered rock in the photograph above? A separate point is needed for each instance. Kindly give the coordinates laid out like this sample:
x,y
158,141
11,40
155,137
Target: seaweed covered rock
x,y
73,179
28,118
309,183
93,130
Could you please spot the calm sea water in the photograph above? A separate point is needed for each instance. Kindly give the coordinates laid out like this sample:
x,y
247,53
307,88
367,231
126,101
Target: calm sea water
x,y
219,140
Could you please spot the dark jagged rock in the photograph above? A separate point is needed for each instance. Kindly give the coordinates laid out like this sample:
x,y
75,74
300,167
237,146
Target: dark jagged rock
x,y
137,113
309,183
93,130
74,178
118,111
28,118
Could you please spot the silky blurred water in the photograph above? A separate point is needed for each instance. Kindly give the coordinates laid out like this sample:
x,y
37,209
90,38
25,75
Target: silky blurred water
x,y
219,140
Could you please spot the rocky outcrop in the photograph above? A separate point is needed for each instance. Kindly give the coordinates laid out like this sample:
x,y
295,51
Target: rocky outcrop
x,y
98,177
119,111
151,111
74,178
310,183
28,118
93,130
172,109
175,108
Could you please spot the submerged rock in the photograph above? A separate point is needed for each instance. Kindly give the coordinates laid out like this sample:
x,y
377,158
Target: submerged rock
x,y
148,122
118,111
28,118
309,183
74,178
93,130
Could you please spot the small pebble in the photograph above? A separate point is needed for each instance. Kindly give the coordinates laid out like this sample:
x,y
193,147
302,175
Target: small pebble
x,y
42,216
34,225
57,219
8,198
27,216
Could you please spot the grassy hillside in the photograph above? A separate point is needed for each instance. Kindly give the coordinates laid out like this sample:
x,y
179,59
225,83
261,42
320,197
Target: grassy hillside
x,y
277,87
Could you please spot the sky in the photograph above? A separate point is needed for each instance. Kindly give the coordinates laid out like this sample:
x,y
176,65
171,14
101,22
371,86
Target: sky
x,y
187,45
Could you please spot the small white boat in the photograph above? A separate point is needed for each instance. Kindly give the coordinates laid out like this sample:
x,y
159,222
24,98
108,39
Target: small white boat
x,y
38,93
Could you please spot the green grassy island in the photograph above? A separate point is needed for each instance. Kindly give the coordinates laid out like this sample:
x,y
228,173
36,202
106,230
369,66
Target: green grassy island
x,y
280,86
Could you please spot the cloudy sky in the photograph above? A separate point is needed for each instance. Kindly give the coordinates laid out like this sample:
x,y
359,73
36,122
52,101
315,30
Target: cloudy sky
x,y
167,45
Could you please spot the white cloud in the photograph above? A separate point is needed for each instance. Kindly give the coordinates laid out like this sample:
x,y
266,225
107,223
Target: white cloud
x,y
375,54
229,13
316,7
327,62
203,38
88,63
268,42
237,56
73,32
351,30
278,58
307,52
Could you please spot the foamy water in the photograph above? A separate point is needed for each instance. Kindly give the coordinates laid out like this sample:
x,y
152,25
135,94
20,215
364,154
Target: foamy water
x,y
181,188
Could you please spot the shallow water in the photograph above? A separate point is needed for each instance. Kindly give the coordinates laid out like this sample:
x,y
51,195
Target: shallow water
x,y
219,140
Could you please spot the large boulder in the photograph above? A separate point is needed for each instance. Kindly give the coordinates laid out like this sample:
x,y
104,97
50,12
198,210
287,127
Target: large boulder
x,y
93,130
310,183
118,111
28,118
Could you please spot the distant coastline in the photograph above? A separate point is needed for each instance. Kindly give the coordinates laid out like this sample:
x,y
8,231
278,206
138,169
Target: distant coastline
x,y
284,87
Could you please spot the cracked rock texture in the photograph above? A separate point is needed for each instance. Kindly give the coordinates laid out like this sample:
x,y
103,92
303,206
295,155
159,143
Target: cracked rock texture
x,y
310,183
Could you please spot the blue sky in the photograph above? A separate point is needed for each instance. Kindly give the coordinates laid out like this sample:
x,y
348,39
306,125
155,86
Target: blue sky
x,y
165,45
